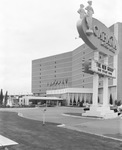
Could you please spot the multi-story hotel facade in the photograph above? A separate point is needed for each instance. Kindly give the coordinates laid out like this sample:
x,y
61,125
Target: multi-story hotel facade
x,y
62,75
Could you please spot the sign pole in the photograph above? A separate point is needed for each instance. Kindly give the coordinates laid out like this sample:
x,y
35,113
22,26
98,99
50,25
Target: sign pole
x,y
95,83
44,110
105,86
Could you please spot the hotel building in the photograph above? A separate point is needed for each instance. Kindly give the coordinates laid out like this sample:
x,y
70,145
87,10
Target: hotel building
x,y
62,75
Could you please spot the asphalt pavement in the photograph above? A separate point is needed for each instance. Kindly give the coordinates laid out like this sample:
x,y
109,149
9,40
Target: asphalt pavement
x,y
109,128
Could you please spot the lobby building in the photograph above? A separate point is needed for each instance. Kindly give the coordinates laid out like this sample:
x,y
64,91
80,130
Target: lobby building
x,y
62,75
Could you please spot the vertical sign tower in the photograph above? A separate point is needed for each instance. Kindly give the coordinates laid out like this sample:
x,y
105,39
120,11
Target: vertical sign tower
x,y
102,41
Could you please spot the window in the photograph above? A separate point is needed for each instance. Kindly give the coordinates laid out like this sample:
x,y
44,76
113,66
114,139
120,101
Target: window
x,y
110,69
98,65
104,67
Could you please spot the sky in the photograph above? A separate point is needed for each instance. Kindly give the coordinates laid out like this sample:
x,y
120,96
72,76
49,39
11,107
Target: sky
x,y
32,29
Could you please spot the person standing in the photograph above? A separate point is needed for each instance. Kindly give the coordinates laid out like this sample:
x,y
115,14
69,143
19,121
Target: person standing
x,y
81,11
89,14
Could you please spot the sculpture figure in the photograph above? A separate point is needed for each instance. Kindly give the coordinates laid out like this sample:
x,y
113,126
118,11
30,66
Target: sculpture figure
x,y
89,14
81,11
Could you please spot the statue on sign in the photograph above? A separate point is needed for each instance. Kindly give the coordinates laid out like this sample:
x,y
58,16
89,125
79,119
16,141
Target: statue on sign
x,y
81,11
89,14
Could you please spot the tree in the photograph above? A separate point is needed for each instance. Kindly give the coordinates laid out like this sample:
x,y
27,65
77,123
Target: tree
x,y
91,100
70,101
82,102
119,103
74,102
111,100
6,98
98,99
1,97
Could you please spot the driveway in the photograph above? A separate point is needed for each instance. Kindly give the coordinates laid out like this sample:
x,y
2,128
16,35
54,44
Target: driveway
x,y
106,127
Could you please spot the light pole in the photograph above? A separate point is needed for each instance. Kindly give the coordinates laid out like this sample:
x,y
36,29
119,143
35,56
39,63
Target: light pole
x,y
44,110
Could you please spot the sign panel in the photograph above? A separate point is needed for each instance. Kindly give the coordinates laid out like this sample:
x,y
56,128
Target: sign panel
x,y
103,69
93,66
101,39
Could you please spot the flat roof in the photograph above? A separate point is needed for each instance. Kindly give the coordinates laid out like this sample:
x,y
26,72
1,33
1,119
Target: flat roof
x,y
42,98
70,90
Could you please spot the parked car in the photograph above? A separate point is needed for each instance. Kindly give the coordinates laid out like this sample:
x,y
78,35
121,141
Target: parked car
x,y
120,108
15,105
115,108
86,106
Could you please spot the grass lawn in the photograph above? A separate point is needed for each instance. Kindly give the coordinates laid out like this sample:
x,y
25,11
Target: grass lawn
x,y
32,135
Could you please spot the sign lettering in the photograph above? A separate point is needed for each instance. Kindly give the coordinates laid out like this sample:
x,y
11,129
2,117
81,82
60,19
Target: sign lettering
x,y
102,39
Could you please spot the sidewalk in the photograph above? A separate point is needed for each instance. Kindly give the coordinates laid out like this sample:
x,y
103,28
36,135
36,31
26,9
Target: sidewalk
x,y
104,127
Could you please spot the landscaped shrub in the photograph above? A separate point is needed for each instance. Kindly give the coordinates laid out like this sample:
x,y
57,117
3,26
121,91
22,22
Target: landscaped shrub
x,y
111,100
117,102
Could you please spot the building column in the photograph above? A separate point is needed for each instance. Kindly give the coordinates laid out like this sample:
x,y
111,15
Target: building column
x,y
68,99
105,86
95,83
